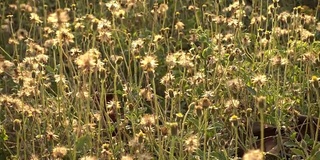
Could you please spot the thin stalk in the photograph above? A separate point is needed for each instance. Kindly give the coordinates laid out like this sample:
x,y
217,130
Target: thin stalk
x,y
172,147
182,129
261,129
205,128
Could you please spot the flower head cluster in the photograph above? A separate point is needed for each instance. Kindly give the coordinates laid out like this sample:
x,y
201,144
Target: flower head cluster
x,y
89,61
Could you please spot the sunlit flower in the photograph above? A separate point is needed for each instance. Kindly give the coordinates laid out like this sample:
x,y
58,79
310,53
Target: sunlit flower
x,y
276,60
26,7
184,59
64,36
60,78
120,13
197,78
104,25
51,42
255,20
284,17
34,49
137,44
259,80
34,157
162,8
12,40
5,65
191,144
179,26
146,93
75,51
219,19
235,85
148,120
105,36
59,17
113,105
127,157
305,34
22,34
170,93
193,8
171,60
149,63
157,38
47,31
113,6
88,158
253,155
131,4
167,79
233,103
35,18
89,60
59,152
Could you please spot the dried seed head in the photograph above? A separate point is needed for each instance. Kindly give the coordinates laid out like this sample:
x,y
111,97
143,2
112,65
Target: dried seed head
x,y
130,106
261,102
164,130
198,110
173,128
205,103
249,112
17,125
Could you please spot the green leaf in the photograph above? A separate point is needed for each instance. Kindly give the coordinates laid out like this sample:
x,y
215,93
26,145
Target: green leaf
x,y
304,144
316,156
293,135
219,155
206,52
49,69
297,151
251,90
83,143
315,150
290,144
3,134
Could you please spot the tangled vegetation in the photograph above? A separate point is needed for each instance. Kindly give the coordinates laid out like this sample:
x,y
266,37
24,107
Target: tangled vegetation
x,y
159,79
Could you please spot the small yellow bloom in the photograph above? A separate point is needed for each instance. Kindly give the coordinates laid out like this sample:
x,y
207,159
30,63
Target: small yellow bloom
x,y
234,118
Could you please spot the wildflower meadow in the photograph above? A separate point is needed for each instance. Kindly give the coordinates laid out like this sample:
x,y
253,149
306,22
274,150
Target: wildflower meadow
x,y
159,79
